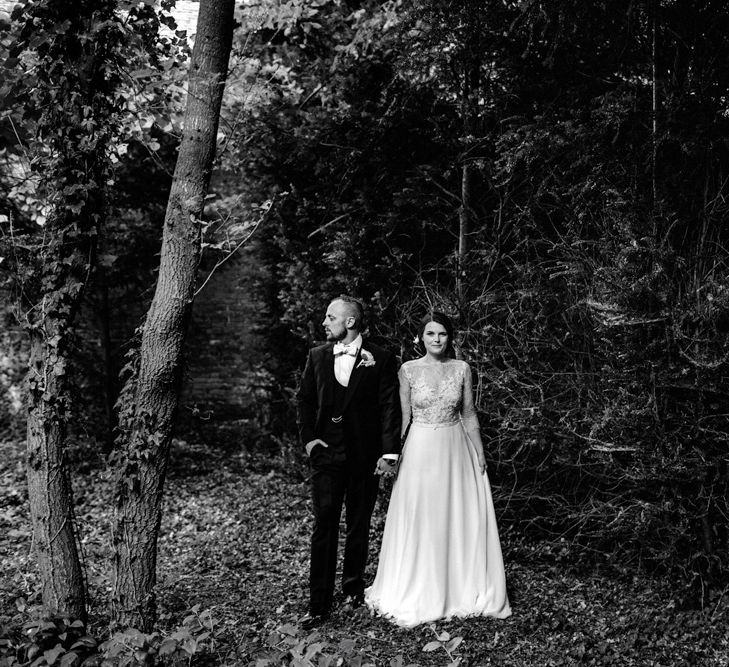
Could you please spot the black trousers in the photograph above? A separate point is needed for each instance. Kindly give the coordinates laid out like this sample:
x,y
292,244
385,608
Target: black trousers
x,y
332,487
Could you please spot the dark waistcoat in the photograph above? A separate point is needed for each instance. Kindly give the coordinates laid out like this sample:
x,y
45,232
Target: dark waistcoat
x,y
334,431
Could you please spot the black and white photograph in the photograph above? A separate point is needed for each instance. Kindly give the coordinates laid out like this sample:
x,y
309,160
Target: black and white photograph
x,y
364,333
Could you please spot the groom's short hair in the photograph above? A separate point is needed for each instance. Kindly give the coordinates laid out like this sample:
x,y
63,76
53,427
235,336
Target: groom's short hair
x,y
355,308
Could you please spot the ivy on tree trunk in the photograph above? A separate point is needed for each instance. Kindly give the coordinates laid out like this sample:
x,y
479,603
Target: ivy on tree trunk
x,y
60,62
151,393
49,487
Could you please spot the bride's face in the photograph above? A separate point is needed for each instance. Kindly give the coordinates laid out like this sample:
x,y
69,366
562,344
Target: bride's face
x,y
435,339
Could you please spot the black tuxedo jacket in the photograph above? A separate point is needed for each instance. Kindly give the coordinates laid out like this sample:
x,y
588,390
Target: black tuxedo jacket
x,y
371,410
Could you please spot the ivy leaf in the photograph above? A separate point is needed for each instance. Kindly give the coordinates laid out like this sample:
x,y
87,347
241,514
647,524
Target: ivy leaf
x,y
84,642
313,649
141,656
347,645
107,260
288,630
70,660
53,654
432,646
454,643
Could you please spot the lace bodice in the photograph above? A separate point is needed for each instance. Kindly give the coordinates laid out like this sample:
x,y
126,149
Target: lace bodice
x,y
438,393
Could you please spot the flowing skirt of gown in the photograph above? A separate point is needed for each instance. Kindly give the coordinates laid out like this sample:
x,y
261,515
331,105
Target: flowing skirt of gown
x,y
440,556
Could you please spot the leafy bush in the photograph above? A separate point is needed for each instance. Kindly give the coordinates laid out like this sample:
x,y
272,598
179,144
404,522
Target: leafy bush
x,y
61,641
48,640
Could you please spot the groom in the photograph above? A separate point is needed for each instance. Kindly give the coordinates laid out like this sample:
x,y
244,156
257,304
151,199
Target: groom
x,y
349,416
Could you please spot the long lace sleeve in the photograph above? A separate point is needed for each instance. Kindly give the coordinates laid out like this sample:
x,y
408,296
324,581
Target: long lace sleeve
x,y
404,398
468,411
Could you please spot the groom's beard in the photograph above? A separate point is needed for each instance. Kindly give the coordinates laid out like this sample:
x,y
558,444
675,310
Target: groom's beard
x,y
333,338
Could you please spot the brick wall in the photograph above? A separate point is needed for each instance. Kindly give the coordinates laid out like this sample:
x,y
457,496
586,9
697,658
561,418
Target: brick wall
x,y
224,348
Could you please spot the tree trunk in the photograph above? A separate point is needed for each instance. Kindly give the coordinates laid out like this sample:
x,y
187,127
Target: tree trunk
x,y
654,115
151,396
49,488
464,214
103,320
469,116
70,81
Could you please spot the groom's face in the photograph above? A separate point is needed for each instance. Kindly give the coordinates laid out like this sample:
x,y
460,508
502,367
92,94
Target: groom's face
x,y
336,320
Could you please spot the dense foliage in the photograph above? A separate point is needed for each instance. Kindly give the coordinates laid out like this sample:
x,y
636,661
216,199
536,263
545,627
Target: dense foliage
x,y
109,107
592,302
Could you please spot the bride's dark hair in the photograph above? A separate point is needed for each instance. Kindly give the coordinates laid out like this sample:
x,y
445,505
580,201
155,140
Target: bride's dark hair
x,y
445,321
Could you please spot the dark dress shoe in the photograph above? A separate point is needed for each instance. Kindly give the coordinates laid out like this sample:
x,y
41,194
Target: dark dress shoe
x,y
311,621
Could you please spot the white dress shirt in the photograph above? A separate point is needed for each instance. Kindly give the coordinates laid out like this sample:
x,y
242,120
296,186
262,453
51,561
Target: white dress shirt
x,y
344,363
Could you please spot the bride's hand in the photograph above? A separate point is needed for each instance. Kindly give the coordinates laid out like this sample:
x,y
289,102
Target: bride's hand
x,y
386,467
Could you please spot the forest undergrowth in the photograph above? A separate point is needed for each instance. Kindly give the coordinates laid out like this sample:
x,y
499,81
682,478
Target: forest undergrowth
x,y
234,549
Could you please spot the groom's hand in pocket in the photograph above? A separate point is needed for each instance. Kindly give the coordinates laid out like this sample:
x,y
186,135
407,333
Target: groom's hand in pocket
x,y
313,443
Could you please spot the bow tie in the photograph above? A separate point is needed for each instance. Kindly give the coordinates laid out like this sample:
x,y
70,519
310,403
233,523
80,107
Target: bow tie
x,y
341,348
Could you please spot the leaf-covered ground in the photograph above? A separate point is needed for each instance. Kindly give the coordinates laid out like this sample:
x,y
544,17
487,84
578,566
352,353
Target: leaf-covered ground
x,y
235,541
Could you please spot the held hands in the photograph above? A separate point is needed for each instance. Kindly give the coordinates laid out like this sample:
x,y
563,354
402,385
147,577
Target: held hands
x,y
313,443
482,463
386,467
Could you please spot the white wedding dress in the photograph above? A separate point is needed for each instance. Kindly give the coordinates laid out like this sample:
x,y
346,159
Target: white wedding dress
x,y
440,555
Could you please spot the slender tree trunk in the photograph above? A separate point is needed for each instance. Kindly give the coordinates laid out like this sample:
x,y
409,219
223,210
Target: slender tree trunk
x,y
67,261
723,528
464,214
104,315
469,115
654,114
49,488
152,394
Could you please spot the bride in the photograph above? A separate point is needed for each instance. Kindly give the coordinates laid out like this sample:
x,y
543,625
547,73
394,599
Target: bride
x,y
440,555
